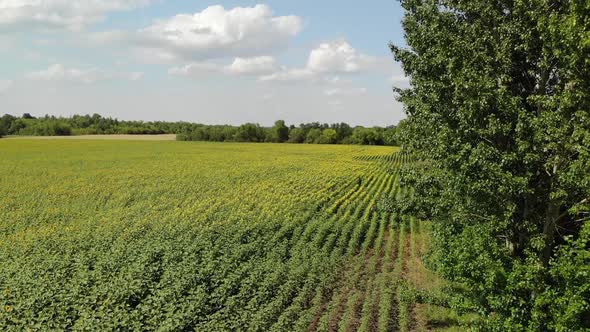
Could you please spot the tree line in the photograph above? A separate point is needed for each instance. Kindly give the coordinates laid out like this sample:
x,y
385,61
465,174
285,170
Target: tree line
x,y
28,125
310,133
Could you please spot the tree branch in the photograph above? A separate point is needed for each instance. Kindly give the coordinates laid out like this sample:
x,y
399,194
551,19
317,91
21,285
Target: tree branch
x,y
563,215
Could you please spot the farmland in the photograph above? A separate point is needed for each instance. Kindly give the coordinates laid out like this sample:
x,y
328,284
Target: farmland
x,y
135,235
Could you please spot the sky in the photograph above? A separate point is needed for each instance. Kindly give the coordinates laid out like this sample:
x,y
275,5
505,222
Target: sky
x,y
214,62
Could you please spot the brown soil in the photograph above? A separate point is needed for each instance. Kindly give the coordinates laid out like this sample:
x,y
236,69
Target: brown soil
x,y
171,137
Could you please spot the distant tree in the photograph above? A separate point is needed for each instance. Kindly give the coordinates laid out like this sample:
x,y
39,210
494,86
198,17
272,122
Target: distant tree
x,y
313,136
250,132
280,132
96,124
389,136
297,135
58,128
95,118
229,133
343,131
17,126
6,122
329,136
308,126
216,134
28,116
366,136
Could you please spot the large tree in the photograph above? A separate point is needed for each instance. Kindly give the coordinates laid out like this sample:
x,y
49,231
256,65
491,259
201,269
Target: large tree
x,y
499,120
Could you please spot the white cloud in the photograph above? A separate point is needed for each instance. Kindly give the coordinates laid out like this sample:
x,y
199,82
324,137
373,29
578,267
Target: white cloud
x,y
252,66
326,61
240,66
195,69
219,33
323,65
59,72
69,14
338,57
290,74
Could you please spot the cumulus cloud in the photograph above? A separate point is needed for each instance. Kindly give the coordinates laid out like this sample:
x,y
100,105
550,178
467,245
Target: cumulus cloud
x,y
290,74
196,69
338,57
324,65
69,14
327,60
219,33
59,72
252,66
240,66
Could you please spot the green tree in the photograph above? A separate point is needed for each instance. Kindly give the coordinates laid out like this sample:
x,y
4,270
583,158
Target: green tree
x,y
366,136
499,115
6,122
329,136
250,132
389,135
313,136
280,132
297,135
343,130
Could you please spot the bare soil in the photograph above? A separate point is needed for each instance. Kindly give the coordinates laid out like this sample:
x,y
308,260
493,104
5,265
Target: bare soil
x,y
167,137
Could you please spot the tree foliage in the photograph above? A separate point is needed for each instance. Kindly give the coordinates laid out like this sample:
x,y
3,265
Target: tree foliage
x,y
315,133
309,133
83,125
498,116
280,132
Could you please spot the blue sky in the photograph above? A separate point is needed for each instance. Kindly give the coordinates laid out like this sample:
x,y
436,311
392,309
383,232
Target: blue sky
x,y
202,61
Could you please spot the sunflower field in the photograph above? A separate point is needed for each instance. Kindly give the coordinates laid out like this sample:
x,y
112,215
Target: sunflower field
x,y
185,236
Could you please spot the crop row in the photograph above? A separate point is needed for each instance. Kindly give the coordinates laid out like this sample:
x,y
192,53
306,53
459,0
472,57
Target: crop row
x,y
269,246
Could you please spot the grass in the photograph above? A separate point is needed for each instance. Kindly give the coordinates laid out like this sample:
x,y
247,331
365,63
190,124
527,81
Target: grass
x,y
428,316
